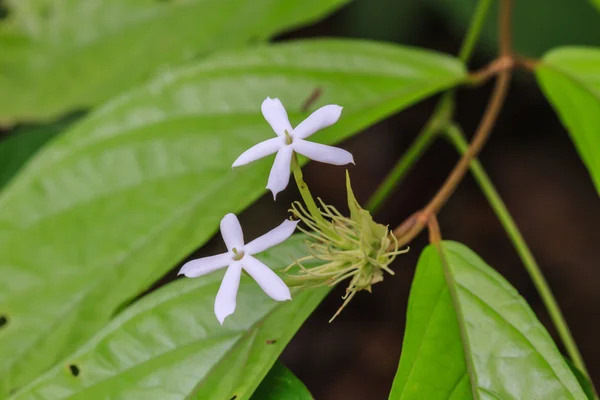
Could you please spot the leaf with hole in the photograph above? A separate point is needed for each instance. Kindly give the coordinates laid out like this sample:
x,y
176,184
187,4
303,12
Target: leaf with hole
x,y
570,79
116,201
281,384
470,335
64,55
169,345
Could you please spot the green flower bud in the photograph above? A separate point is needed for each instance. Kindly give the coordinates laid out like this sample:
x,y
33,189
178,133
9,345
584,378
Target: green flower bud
x,y
355,248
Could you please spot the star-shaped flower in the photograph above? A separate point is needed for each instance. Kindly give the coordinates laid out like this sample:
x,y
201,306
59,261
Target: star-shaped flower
x,y
238,257
289,140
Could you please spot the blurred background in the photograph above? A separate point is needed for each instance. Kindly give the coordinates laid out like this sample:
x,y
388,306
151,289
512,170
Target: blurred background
x,y
530,158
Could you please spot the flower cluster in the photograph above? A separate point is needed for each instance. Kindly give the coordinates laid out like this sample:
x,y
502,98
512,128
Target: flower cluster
x,y
239,256
355,248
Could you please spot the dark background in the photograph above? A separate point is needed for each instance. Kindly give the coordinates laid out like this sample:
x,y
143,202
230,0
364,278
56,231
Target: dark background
x,y
529,157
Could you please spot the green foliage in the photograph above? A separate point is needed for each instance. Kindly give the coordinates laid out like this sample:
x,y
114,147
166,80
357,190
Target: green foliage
x,y
19,147
23,143
62,55
570,79
172,336
470,335
538,25
584,381
111,205
281,384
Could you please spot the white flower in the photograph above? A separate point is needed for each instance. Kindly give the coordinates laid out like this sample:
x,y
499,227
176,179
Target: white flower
x,y
238,257
289,140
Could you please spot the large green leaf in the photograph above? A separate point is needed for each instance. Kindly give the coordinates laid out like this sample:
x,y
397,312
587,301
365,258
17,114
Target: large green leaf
x,y
470,335
170,345
60,55
281,384
570,79
116,201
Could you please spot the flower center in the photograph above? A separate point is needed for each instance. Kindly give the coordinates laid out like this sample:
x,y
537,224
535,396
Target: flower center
x,y
237,254
288,138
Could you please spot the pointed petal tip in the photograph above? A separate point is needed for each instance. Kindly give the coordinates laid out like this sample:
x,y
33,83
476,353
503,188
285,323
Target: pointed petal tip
x,y
274,192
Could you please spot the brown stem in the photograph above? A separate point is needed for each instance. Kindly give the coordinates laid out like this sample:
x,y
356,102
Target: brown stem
x,y
435,235
500,64
405,235
409,229
505,25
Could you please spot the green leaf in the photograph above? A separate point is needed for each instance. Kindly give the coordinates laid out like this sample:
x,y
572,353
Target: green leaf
x,y
62,55
111,205
22,144
570,79
470,335
281,384
584,381
169,345
596,3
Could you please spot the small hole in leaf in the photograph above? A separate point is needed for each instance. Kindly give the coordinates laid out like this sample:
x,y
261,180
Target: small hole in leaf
x,y
74,369
271,341
234,397
3,320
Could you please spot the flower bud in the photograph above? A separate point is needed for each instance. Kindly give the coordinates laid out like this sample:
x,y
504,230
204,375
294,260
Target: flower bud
x,y
355,248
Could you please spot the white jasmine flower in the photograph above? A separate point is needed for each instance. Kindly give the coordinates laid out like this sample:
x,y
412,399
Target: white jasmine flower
x,y
289,140
238,257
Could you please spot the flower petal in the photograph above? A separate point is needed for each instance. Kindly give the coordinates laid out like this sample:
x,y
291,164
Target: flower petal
x,y
320,119
232,232
258,151
271,238
275,114
268,280
225,301
280,172
205,265
323,153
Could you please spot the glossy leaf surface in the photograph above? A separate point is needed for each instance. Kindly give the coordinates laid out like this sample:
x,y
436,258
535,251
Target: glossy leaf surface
x,y
114,203
570,79
63,55
470,335
170,345
281,384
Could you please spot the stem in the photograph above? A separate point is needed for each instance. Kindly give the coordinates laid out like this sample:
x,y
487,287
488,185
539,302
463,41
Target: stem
x,y
412,155
442,113
474,30
505,28
456,137
305,192
409,229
